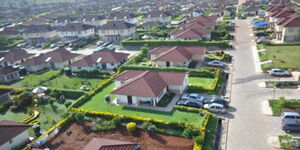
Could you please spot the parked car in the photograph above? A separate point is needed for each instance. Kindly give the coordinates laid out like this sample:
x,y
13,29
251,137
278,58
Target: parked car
x,y
214,107
190,103
260,34
192,96
262,40
231,24
280,73
290,126
290,116
100,43
215,63
217,100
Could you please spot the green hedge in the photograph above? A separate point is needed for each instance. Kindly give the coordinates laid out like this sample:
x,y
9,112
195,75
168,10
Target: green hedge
x,y
220,44
69,94
283,44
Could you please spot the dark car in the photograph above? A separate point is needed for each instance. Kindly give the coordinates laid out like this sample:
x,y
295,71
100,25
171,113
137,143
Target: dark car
x,y
259,34
290,126
190,103
217,100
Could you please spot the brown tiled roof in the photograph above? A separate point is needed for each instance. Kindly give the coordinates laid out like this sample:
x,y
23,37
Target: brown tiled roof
x,y
106,56
147,83
292,22
76,27
9,130
177,53
58,56
7,70
15,55
117,25
281,21
109,144
191,33
204,19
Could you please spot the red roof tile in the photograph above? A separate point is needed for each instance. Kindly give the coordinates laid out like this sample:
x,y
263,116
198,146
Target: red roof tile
x,y
15,55
292,22
191,33
9,130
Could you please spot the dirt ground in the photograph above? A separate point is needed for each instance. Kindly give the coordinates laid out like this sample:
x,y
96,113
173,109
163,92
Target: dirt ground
x,y
80,137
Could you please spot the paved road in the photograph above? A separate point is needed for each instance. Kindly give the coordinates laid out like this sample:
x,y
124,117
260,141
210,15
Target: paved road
x,y
248,127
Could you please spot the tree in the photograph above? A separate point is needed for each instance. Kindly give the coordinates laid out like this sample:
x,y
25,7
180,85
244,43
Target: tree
x,y
116,121
151,129
199,140
188,132
131,126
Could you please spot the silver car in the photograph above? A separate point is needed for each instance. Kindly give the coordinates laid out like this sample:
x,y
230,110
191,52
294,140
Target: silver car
x,y
214,107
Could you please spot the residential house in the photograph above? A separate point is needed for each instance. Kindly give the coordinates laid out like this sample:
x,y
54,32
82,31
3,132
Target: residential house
x,y
125,16
75,31
147,87
94,20
191,34
4,95
63,20
177,56
103,60
14,57
288,29
56,59
13,134
10,33
8,74
158,16
39,34
109,144
250,4
115,31
208,22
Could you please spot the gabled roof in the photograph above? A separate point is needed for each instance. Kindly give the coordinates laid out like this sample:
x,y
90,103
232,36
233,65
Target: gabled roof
x,y
38,29
103,56
7,70
204,19
93,17
251,2
109,144
157,14
190,33
146,83
177,53
123,15
9,130
14,55
292,22
115,25
76,27
59,55
198,25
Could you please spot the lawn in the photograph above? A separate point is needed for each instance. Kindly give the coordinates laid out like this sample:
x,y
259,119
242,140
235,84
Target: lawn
x,y
97,103
279,105
65,82
285,141
203,82
284,56
33,80
13,116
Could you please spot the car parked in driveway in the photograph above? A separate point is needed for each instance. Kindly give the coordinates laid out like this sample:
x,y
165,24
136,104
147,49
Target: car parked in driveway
x,y
262,40
260,34
290,126
217,100
214,107
290,116
192,96
215,63
190,103
280,73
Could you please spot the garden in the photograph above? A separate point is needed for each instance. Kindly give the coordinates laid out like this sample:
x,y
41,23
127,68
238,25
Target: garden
x,y
282,56
283,105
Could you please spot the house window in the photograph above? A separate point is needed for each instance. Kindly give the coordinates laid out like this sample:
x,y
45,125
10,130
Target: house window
x,y
10,141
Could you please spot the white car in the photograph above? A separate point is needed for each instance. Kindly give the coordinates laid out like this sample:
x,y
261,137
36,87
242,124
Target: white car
x,y
214,107
216,63
192,96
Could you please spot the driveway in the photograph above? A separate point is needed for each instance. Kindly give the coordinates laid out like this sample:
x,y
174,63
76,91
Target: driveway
x,y
248,128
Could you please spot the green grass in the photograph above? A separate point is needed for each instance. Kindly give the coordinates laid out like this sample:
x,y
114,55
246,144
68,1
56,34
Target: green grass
x,y
35,79
286,57
276,106
211,128
262,56
97,103
203,82
285,141
13,116
65,82
259,46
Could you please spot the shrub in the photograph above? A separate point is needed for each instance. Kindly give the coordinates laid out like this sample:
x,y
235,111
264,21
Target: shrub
x,y
79,118
188,132
199,140
131,126
51,100
145,125
116,121
67,104
151,129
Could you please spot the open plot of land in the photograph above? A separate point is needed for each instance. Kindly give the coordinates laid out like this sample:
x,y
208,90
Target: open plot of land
x,y
80,137
284,56
65,82
203,82
97,103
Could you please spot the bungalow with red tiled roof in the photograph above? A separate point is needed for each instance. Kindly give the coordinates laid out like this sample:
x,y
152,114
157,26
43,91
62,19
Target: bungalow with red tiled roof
x,y
56,59
140,87
177,56
104,59
8,74
14,57
191,34
277,13
109,144
13,134
288,29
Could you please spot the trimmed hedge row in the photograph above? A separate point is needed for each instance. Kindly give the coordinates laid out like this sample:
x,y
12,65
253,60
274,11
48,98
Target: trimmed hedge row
x,y
32,117
220,44
196,89
69,94
283,44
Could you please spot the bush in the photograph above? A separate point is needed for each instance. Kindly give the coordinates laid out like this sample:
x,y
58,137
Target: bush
x,y
67,104
199,140
151,129
188,133
116,121
79,118
51,100
131,126
68,94
92,74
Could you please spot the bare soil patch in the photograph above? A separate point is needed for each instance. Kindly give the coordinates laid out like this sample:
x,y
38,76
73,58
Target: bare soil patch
x,y
81,135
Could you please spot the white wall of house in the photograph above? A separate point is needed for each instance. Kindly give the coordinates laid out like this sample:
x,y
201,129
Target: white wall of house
x,y
16,141
10,77
36,68
46,35
96,23
121,32
163,20
80,34
290,34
